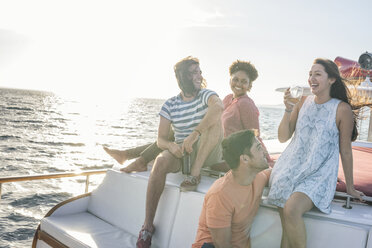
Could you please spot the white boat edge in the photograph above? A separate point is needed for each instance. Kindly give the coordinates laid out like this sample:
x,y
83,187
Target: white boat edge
x,y
342,228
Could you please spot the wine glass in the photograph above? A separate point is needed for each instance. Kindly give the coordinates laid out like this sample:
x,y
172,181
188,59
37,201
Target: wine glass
x,y
296,94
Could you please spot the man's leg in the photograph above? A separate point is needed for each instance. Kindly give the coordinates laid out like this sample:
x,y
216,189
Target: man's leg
x,y
164,164
294,225
122,155
208,152
208,141
140,164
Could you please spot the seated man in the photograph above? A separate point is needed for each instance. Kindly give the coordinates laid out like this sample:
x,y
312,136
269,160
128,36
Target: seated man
x,y
195,117
233,200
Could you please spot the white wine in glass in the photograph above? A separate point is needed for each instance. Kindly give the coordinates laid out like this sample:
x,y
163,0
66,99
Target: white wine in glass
x,y
296,94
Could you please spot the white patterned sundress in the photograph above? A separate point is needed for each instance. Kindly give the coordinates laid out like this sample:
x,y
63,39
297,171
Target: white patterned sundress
x,y
309,164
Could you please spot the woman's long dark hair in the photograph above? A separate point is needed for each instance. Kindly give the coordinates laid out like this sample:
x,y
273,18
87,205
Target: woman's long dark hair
x,y
183,79
338,88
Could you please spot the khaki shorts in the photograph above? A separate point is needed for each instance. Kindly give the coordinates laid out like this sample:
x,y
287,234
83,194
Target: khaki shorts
x,y
214,157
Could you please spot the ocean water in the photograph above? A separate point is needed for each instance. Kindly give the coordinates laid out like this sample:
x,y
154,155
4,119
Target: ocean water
x,y
41,132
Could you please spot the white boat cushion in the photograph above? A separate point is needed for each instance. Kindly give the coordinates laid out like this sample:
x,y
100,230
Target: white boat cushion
x,y
86,230
175,179
73,207
106,203
266,231
187,219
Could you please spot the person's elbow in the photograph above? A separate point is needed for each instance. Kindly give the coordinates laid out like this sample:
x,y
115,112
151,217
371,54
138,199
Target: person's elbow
x,y
282,139
162,143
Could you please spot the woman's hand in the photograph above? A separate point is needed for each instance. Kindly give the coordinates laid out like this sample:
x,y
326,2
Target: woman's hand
x,y
189,142
175,149
355,193
288,100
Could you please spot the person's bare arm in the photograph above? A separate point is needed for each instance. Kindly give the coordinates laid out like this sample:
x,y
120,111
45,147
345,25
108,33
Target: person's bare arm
x,y
163,138
267,173
345,125
221,237
288,122
213,115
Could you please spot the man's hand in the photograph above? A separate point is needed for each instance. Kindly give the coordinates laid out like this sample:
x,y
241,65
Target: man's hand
x,y
175,149
189,142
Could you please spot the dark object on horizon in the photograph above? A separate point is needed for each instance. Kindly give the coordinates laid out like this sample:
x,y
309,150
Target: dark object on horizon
x,y
365,61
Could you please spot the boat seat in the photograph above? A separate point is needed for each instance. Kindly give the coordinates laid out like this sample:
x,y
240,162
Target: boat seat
x,y
107,208
112,215
84,230
187,219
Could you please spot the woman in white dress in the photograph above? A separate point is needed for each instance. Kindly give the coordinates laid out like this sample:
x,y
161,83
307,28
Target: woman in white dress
x,y
305,175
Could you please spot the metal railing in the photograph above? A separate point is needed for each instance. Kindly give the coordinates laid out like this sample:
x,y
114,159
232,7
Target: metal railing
x,y
51,176
348,198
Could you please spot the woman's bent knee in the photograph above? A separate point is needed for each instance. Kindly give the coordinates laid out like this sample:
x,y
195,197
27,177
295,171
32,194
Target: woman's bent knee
x,y
296,206
291,213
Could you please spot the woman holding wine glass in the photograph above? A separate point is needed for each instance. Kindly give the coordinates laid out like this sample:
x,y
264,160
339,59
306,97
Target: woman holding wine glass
x,y
305,175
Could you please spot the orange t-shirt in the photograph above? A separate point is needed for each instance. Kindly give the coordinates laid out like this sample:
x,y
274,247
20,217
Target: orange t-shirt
x,y
229,204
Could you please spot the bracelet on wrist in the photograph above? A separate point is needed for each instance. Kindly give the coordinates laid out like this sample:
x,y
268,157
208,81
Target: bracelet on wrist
x,y
288,110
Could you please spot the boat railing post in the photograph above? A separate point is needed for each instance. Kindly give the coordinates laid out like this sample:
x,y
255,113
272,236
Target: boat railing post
x,y
347,203
86,184
369,138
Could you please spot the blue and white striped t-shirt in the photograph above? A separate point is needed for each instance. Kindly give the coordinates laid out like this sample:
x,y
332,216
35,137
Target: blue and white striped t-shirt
x,y
185,116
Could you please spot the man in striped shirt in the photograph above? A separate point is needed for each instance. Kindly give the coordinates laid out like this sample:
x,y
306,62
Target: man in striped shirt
x,y
195,116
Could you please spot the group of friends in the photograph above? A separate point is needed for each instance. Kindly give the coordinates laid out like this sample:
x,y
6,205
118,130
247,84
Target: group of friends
x,y
224,135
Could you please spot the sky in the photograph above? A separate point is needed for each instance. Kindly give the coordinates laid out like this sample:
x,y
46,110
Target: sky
x,y
122,49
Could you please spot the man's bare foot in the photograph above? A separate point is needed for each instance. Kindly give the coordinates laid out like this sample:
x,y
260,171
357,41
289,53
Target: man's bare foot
x,y
137,166
118,155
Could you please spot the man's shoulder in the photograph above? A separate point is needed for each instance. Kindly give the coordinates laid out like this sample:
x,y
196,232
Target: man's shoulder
x,y
216,187
207,92
219,186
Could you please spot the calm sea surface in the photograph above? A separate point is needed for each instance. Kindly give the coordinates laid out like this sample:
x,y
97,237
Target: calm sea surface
x,y
42,132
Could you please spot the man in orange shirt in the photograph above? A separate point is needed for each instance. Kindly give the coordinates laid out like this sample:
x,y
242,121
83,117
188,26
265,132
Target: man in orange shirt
x,y
233,200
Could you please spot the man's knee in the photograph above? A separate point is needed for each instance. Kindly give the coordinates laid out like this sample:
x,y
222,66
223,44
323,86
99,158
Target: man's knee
x,y
163,164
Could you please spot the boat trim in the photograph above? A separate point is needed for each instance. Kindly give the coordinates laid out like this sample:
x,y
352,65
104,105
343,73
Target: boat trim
x,y
41,235
52,176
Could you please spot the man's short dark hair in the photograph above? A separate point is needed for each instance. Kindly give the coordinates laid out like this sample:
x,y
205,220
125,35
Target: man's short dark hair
x,y
237,144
